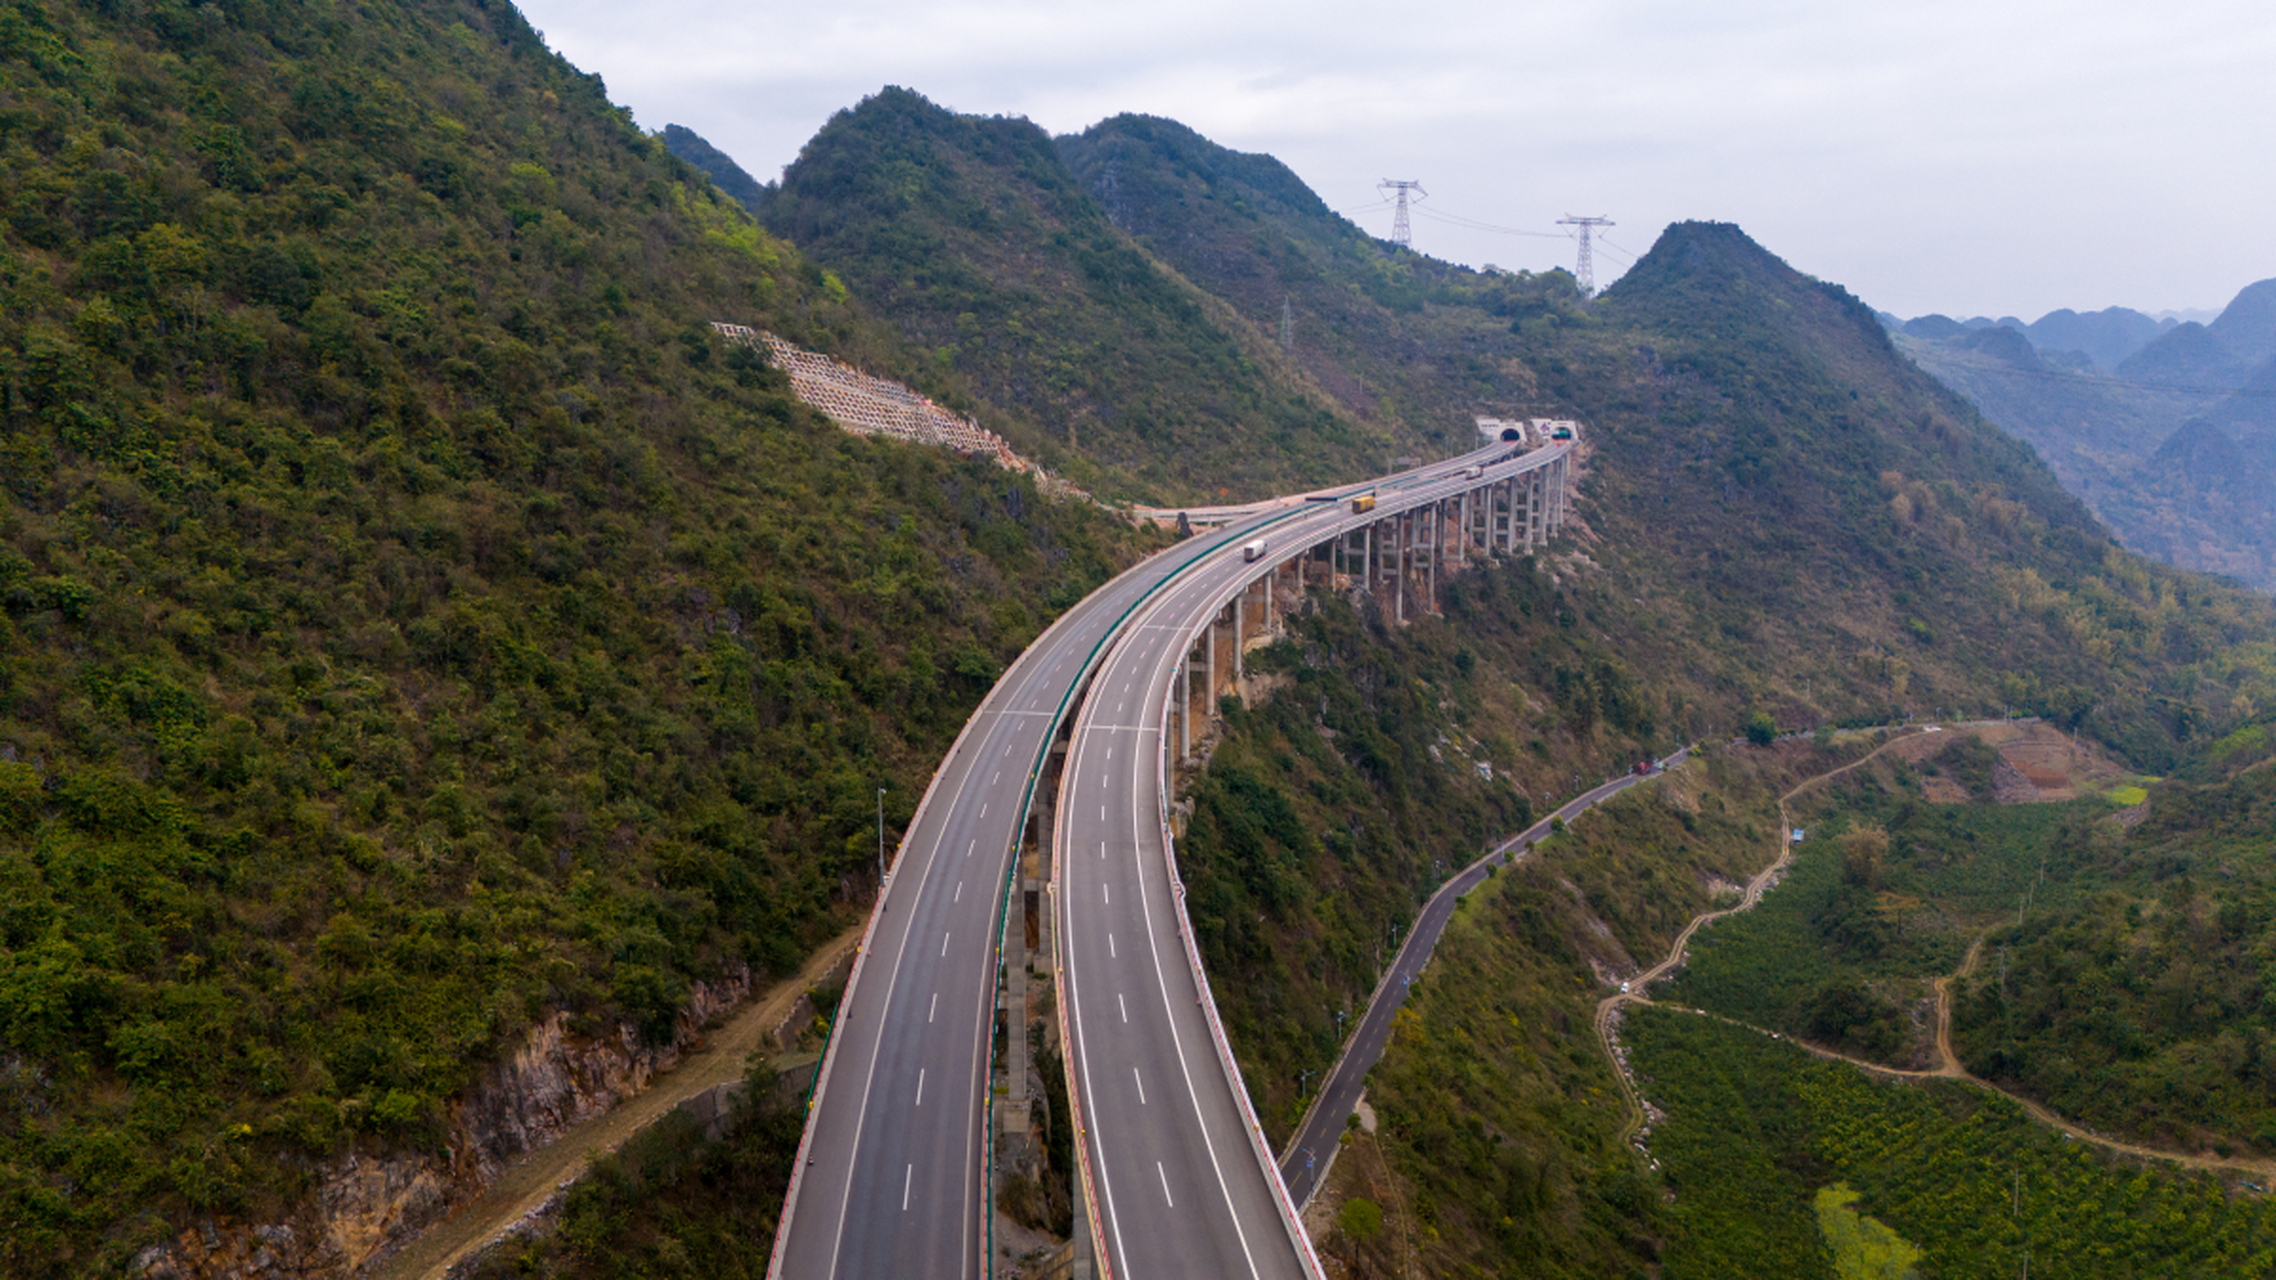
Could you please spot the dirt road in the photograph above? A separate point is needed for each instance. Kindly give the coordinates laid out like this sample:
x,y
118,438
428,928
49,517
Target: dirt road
x,y
1948,1065
525,1187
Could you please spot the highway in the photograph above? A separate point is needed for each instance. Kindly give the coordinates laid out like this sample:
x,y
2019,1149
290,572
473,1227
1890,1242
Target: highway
x,y
891,1175
1312,1148
890,1178
1181,1182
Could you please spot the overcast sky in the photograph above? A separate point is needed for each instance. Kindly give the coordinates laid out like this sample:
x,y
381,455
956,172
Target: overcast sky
x,y
1965,156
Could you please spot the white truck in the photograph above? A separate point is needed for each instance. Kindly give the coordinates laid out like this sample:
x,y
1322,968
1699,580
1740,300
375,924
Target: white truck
x,y
1252,551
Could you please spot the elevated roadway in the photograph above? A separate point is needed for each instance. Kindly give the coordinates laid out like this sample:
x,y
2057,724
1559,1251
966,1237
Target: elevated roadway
x,y
892,1175
1176,1171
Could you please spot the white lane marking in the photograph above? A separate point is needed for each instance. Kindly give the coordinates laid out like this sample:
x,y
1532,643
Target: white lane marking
x,y
1111,953
1157,1168
1133,1075
1119,1005
983,811
934,1009
1102,813
1177,1048
944,944
959,892
1109,892
1110,753
911,1176
921,1086
869,1076
970,847
998,777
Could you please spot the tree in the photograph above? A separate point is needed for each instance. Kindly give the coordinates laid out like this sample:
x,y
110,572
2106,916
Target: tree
x,y
1761,729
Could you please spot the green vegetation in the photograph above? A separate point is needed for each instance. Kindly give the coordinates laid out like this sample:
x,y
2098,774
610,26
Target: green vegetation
x,y
1409,346
2142,1008
1755,1127
972,235
1495,1105
1333,809
1886,893
1863,1249
671,1206
413,622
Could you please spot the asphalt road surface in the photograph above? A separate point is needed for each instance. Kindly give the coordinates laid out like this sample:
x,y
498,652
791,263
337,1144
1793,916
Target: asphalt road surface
x,y
1307,1155
1184,1185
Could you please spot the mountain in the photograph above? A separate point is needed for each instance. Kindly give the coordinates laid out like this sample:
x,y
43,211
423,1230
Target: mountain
x,y
2137,442
721,168
1399,339
973,237
415,627
2104,337
2107,336
2210,359
2083,424
421,640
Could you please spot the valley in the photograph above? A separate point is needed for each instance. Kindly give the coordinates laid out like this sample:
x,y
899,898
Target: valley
x,y
446,676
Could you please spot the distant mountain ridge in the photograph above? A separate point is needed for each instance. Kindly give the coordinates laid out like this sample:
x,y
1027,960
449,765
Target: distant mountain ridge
x,y
2105,337
2173,445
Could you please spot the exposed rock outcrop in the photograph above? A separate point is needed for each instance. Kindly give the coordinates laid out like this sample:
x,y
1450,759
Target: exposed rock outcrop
x,y
366,1204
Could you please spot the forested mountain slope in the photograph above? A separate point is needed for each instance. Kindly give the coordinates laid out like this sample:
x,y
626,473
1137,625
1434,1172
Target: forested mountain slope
x,y
414,623
1783,515
970,234
1400,339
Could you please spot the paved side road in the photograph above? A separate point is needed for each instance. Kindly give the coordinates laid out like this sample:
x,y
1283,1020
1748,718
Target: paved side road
x,y
1304,1162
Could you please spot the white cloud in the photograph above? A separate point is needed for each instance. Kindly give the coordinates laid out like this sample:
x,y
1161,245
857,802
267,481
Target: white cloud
x,y
1969,156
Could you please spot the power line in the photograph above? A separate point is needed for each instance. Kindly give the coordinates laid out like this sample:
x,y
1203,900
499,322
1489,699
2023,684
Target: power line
x,y
1472,224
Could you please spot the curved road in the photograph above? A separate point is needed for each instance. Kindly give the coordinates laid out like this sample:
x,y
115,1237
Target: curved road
x,y
1176,1168
1311,1149
890,1174
890,1179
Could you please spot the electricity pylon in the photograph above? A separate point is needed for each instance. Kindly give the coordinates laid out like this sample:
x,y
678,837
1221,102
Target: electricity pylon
x,y
1585,276
1401,234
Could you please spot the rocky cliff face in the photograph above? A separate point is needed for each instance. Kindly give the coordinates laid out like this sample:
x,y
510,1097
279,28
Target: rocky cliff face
x,y
368,1203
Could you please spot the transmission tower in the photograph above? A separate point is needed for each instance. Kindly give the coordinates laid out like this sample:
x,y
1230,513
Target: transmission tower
x,y
1586,274
1401,234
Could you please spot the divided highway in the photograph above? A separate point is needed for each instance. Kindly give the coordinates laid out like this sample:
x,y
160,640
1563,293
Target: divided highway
x,y
1180,1179
891,1177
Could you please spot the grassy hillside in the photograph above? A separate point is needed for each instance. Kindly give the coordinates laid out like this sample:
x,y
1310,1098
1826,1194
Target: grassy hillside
x,y
413,622
2141,1007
